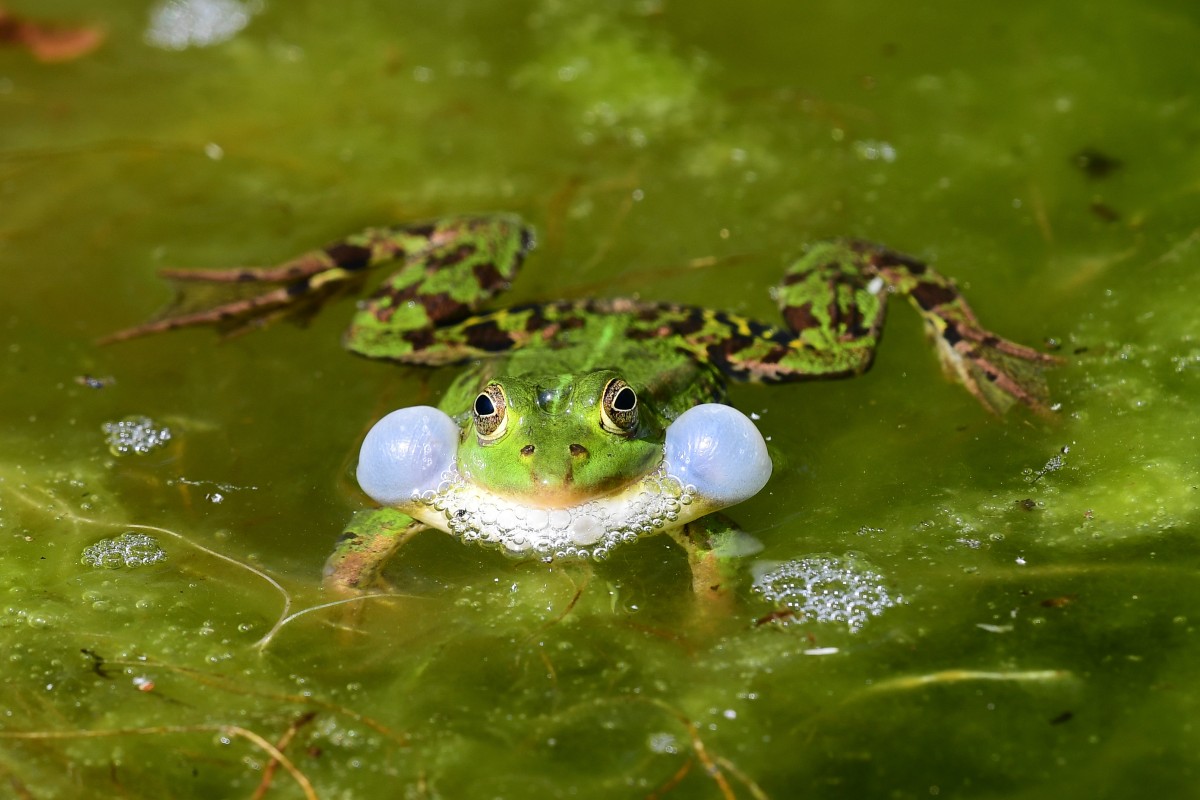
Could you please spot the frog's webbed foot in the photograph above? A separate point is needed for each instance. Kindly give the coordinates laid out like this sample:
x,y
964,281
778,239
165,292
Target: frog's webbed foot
x,y
240,299
998,372
371,539
834,299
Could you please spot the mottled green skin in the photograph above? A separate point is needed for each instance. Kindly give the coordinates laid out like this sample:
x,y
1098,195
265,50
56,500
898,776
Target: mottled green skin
x,y
552,361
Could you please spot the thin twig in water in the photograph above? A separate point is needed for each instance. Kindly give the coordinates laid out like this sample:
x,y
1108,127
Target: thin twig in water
x,y
287,598
672,781
77,519
579,589
228,730
905,682
284,620
710,765
755,790
269,771
241,688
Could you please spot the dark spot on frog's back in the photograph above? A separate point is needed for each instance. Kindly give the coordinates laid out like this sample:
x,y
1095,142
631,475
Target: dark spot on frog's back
x,y
570,323
890,258
773,356
692,323
423,230
536,320
488,276
720,353
800,318
851,323
450,257
488,336
420,338
349,256
441,307
931,295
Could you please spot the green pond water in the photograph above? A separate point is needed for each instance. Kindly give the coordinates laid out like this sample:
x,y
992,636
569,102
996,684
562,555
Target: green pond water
x,y
1046,155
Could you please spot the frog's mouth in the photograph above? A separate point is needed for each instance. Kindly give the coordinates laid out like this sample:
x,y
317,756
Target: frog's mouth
x,y
713,457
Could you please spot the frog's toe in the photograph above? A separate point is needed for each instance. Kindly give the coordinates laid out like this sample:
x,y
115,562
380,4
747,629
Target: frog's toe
x,y
407,453
717,449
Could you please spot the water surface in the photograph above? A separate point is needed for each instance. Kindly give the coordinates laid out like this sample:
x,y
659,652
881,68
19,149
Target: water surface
x,y
1044,155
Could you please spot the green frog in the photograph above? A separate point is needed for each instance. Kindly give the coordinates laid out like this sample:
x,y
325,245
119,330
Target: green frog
x,y
577,425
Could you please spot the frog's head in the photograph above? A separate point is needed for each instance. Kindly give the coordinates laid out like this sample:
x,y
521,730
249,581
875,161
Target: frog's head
x,y
557,441
556,463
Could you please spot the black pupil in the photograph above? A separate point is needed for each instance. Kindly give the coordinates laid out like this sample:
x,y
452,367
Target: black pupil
x,y
484,406
625,400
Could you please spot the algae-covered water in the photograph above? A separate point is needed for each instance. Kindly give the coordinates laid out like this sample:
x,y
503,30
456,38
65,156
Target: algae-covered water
x,y
982,607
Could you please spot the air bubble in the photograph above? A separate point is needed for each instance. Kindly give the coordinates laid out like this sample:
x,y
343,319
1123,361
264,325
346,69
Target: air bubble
x,y
138,435
826,589
127,550
472,514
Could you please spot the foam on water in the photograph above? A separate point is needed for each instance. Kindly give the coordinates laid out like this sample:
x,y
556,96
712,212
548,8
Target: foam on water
x,y
138,435
127,550
845,589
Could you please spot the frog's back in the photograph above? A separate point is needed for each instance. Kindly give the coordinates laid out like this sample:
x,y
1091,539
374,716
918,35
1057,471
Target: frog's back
x,y
670,376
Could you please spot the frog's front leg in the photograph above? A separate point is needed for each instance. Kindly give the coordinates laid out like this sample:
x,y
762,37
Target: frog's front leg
x,y
370,540
710,544
449,268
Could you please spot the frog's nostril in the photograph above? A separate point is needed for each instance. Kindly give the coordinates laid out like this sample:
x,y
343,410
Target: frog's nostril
x,y
578,450
527,450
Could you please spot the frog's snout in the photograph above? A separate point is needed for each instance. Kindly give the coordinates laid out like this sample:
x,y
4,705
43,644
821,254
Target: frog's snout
x,y
553,467
578,452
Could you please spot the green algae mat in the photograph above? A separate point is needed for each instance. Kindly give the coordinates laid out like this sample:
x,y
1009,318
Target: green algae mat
x,y
931,600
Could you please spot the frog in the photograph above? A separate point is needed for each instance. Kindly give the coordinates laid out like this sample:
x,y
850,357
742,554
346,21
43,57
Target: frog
x,y
575,426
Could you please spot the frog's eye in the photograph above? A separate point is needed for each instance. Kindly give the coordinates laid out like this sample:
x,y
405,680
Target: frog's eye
x,y
618,407
489,413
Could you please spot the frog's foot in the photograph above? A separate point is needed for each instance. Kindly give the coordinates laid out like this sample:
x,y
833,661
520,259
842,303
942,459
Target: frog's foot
x,y
371,538
995,370
834,299
450,267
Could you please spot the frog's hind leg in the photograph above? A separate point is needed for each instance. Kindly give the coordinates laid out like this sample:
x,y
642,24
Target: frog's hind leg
x,y
243,298
417,314
834,300
994,369
369,541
